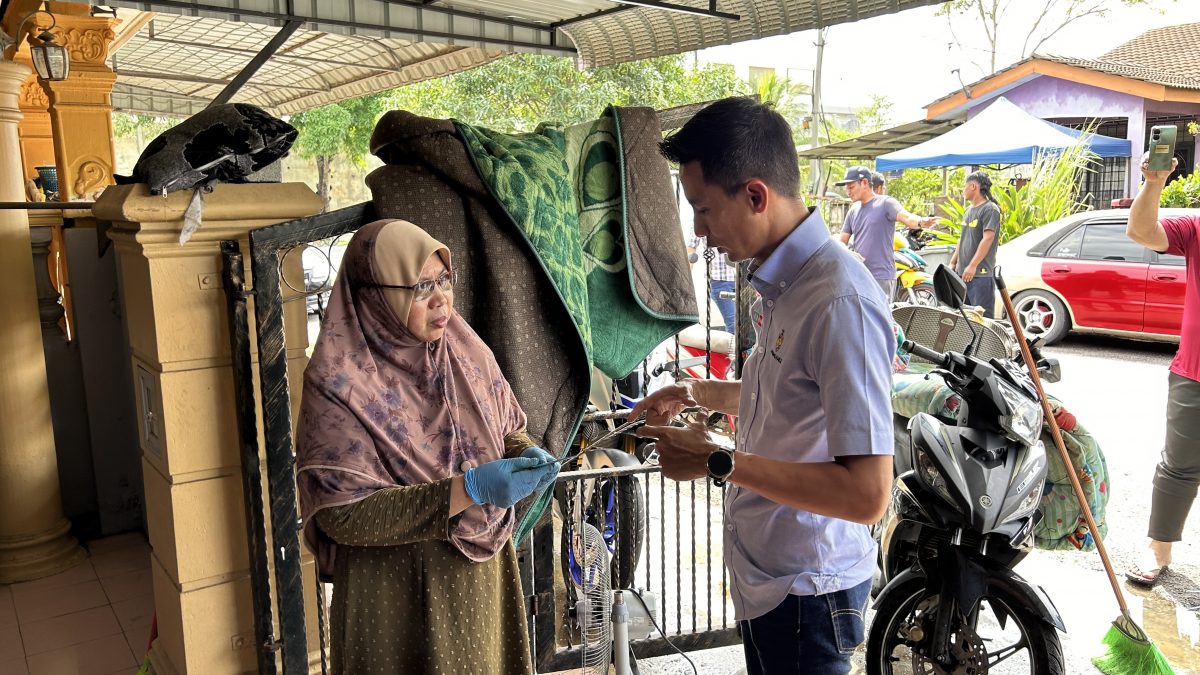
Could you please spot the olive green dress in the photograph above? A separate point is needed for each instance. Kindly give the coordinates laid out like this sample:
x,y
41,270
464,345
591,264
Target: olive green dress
x,y
406,601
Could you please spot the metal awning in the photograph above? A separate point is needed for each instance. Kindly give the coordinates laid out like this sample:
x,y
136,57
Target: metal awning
x,y
182,53
872,145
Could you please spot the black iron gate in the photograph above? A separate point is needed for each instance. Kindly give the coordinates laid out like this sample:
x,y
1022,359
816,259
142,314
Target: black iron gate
x,y
284,647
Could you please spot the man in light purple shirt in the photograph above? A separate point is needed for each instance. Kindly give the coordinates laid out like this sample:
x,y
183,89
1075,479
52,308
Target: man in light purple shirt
x,y
870,226
814,465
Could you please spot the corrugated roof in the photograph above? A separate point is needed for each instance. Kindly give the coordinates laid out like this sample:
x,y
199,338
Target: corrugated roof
x,y
176,63
872,145
1134,71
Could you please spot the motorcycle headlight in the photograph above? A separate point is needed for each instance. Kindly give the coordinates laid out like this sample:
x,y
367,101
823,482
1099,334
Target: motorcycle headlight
x,y
1024,418
1033,478
928,472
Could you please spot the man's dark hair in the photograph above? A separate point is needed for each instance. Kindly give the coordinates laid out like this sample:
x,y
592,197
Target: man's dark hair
x,y
877,180
734,140
984,182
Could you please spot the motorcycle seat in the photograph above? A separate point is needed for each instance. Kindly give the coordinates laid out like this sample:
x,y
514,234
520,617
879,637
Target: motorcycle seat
x,y
693,336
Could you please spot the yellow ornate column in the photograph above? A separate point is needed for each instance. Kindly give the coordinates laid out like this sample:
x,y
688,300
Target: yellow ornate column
x,y
175,310
37,134
34,539
81,106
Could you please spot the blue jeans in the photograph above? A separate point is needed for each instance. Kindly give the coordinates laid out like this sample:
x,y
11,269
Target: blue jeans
x,y
981,291
728,306
809,634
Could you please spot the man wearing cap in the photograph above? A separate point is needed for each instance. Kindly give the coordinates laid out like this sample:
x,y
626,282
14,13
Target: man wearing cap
x,y
871,222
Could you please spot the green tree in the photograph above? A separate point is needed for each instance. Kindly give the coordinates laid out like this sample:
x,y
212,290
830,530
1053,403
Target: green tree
x,y
342,128
519,91
788,97
1008,23
143,128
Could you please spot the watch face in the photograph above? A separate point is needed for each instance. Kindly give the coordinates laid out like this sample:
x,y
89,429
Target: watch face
x,y
720,463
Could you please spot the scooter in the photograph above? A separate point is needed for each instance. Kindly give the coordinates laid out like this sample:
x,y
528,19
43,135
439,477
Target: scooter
x,y
913,283
963,513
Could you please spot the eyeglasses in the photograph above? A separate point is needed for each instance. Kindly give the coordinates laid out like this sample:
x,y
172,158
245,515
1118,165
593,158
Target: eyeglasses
x,y
423,289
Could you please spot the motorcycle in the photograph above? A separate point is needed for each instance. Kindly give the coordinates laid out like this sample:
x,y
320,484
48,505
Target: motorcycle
x,y
913,283
963,512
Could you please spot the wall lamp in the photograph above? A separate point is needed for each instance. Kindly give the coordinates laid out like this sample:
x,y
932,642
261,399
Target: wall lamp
x,y
50,59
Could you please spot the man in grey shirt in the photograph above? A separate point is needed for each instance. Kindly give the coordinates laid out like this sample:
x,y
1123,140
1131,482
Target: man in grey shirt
x,y
975,256
815,438
871,222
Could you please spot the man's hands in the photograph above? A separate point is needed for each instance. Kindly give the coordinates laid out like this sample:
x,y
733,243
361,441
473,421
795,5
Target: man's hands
x,y
663,405
969,273
682,451
1157,177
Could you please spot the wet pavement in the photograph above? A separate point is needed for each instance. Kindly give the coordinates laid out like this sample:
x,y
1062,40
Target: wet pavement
x,y
1117,388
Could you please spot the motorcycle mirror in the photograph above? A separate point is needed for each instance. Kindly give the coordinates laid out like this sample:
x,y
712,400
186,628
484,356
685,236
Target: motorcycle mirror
x,y
949,288
1050,370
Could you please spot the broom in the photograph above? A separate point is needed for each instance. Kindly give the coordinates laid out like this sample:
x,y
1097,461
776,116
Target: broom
x,y
1127,648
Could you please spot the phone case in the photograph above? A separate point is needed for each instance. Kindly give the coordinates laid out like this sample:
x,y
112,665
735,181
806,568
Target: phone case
x,y
1162,147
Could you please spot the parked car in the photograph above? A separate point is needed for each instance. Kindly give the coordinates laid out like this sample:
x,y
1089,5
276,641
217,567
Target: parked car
x,y
1082,273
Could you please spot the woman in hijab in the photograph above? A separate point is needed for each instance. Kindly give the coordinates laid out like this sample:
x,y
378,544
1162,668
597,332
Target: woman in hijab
x,y
411,451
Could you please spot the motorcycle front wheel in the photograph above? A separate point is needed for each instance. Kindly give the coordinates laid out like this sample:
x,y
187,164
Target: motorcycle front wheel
x,y
1002,631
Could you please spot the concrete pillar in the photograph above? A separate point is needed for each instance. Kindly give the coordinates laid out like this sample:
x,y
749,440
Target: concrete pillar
x,y
34,540
187,428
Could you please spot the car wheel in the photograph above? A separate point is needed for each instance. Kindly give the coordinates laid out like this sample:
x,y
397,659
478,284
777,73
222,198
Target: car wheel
x,y
1042,315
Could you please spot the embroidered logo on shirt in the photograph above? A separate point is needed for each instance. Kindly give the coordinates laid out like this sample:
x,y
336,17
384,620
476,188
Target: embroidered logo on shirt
x,y
778,346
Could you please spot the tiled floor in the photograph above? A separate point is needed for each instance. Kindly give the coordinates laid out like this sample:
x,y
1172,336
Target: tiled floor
x,y
93,619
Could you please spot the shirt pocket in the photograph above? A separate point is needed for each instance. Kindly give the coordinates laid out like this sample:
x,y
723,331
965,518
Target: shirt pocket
x,y
846,610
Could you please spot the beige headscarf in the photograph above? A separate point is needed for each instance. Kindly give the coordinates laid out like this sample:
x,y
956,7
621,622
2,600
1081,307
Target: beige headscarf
x,y
381,408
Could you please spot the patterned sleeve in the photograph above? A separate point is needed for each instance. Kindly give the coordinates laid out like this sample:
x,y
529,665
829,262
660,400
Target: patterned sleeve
x,y
391,517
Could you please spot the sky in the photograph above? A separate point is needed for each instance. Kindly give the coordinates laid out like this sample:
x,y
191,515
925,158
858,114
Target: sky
x,y
908,57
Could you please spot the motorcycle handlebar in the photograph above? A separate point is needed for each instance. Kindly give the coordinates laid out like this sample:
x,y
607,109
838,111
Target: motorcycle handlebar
x,y
925,353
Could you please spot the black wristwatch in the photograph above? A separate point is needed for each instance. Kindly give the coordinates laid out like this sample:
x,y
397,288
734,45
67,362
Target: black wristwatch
x,y
720,465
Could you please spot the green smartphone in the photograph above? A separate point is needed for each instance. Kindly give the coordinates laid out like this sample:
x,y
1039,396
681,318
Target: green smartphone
x,y
1162,147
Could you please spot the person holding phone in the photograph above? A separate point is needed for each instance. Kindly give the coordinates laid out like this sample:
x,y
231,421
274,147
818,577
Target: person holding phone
x,y
1177,476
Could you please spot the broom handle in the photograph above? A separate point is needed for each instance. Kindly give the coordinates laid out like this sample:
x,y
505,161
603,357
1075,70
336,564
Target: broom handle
x,y
1058,441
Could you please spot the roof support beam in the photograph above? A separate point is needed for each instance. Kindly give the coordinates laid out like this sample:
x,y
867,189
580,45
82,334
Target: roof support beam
x,y
711,12
257,62
171,77
546,32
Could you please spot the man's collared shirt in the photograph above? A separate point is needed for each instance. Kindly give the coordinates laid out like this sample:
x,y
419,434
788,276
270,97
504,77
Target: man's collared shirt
x,y
816,387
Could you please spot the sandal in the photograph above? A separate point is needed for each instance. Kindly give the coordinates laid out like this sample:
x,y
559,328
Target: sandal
x,y
1144,578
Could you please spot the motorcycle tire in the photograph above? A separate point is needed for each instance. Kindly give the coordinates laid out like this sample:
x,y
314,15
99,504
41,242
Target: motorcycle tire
x,y
923,294
1045,650
627,524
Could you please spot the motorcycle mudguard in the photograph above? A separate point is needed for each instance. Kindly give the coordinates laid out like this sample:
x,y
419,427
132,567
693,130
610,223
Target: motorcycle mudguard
x,y
911,278
604,458
1035,599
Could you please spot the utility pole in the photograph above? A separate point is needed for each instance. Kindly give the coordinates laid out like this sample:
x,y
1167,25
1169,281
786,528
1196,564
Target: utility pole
x,y
814,165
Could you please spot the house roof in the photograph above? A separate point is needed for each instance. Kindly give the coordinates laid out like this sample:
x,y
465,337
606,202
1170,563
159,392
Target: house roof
x,y
184,52
1168,57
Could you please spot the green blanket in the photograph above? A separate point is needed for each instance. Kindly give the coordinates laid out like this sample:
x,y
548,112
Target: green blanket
x,y
1063,526
567,191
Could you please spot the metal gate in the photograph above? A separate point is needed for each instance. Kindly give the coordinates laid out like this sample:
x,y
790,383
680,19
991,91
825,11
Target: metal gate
x,y
691,587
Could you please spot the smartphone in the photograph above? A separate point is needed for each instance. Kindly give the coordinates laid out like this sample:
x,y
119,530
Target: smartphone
x,y
1162,147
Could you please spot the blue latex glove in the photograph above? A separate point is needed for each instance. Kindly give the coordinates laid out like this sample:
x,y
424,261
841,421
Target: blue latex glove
x,y
548,462
505,482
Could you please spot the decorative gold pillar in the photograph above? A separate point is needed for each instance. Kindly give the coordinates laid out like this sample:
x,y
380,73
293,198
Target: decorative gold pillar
x,y
176,313
37,134
34,539
80,107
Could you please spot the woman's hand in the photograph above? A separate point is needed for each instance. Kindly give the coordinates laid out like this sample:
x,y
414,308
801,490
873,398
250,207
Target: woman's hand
x,y
663,405
547,460
505,482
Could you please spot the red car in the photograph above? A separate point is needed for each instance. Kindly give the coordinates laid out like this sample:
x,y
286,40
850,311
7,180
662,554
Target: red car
x,y
1081,273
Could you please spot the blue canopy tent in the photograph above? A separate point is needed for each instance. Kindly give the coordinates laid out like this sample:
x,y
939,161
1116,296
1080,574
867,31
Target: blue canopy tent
x,y
1001,134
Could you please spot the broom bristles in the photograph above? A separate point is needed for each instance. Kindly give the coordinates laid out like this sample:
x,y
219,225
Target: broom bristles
x,y
1128,651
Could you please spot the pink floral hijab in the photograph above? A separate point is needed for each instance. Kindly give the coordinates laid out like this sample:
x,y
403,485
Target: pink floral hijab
x,y
381,408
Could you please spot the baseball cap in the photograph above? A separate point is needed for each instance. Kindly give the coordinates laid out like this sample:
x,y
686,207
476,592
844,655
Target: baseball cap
x,y
855,173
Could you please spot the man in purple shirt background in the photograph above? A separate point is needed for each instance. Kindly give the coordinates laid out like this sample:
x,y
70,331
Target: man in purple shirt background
x,y
871,226
813,466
